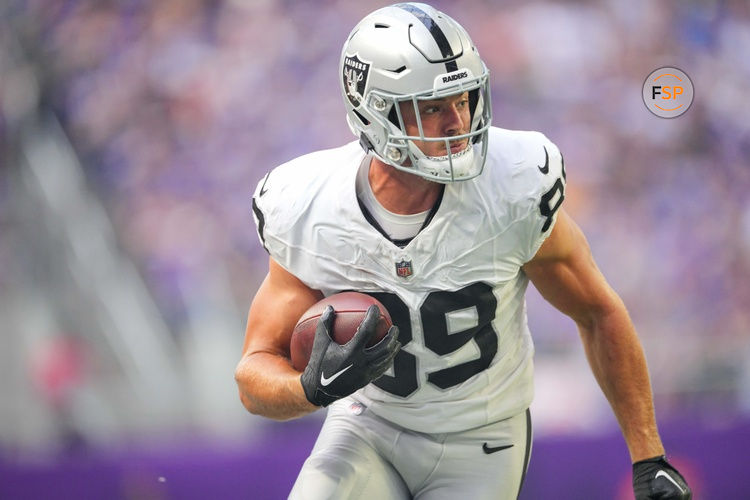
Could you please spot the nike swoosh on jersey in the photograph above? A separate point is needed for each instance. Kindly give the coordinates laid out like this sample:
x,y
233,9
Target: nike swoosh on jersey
x,y
263,187
488,450
661,473
324,381
545,168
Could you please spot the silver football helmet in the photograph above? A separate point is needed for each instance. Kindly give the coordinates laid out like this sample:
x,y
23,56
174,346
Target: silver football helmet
x,y
408,53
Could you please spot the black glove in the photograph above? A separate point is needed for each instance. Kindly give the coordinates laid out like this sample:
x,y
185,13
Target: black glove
x,y
335,371
655,479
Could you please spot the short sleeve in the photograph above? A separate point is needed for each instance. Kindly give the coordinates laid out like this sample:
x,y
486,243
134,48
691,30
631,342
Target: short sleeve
x,y
269,215
546,173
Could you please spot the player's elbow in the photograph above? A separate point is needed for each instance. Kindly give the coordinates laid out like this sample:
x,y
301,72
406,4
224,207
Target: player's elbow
x,y
600,310
255,408
247,403
240,377
250,404
245,389
606,320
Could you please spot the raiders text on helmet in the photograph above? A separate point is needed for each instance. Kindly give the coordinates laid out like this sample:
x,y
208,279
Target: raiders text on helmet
x,y
408,53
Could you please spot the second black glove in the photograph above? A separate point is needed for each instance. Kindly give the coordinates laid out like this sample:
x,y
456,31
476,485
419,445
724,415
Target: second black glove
x,y
656,479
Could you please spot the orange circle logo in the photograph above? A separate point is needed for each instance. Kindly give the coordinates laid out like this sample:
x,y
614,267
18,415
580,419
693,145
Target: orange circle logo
x,y
668,92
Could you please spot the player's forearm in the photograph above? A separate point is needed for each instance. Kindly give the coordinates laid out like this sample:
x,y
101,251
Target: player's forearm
x,y
270,387
619,365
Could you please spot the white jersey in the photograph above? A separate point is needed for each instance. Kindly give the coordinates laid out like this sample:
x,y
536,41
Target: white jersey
x,y
456,290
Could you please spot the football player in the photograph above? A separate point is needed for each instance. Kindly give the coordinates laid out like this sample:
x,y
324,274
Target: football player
x,y
444,219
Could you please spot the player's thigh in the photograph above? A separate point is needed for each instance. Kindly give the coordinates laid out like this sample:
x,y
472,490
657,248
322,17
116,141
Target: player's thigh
x,y
487,463
344,464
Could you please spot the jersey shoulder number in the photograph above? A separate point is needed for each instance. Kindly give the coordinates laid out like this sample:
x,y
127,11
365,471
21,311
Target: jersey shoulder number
x,y
552,184
529,173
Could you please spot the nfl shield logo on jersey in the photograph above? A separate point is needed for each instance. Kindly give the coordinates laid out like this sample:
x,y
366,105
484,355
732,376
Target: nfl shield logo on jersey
x,y
403,268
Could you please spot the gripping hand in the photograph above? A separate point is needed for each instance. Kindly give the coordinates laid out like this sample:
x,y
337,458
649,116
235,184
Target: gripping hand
x,y
335,371
656,479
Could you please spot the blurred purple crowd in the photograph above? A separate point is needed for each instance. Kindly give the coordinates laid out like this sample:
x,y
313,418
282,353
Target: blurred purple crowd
x,y
177,108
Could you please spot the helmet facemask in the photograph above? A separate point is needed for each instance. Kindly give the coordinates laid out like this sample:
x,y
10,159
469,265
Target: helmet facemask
x,y
400,149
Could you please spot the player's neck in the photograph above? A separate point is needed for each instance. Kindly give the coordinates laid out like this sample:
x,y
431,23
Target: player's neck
x,y
401,192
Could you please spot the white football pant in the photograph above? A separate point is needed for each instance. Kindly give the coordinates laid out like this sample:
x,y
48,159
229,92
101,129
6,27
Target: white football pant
x,y
360,455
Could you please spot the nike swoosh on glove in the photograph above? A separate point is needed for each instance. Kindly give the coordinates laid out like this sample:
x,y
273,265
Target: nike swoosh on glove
x,y
656,479
335,371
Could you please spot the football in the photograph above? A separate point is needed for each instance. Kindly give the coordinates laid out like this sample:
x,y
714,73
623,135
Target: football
x,y
350,309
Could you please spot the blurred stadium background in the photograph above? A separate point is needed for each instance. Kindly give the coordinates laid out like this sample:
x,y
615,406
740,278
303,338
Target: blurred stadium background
x,y
134,132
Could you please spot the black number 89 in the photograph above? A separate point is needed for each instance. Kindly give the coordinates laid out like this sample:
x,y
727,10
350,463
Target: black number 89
x,y
478,299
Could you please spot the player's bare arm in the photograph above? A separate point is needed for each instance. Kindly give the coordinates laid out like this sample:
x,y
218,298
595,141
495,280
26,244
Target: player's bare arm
x,y
268,385
564,272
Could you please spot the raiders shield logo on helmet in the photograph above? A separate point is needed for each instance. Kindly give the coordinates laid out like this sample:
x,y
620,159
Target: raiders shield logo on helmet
x,y
355,77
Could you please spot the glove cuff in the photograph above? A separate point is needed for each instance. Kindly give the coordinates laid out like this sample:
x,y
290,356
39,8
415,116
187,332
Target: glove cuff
x,y
323,398
314,395
661,459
